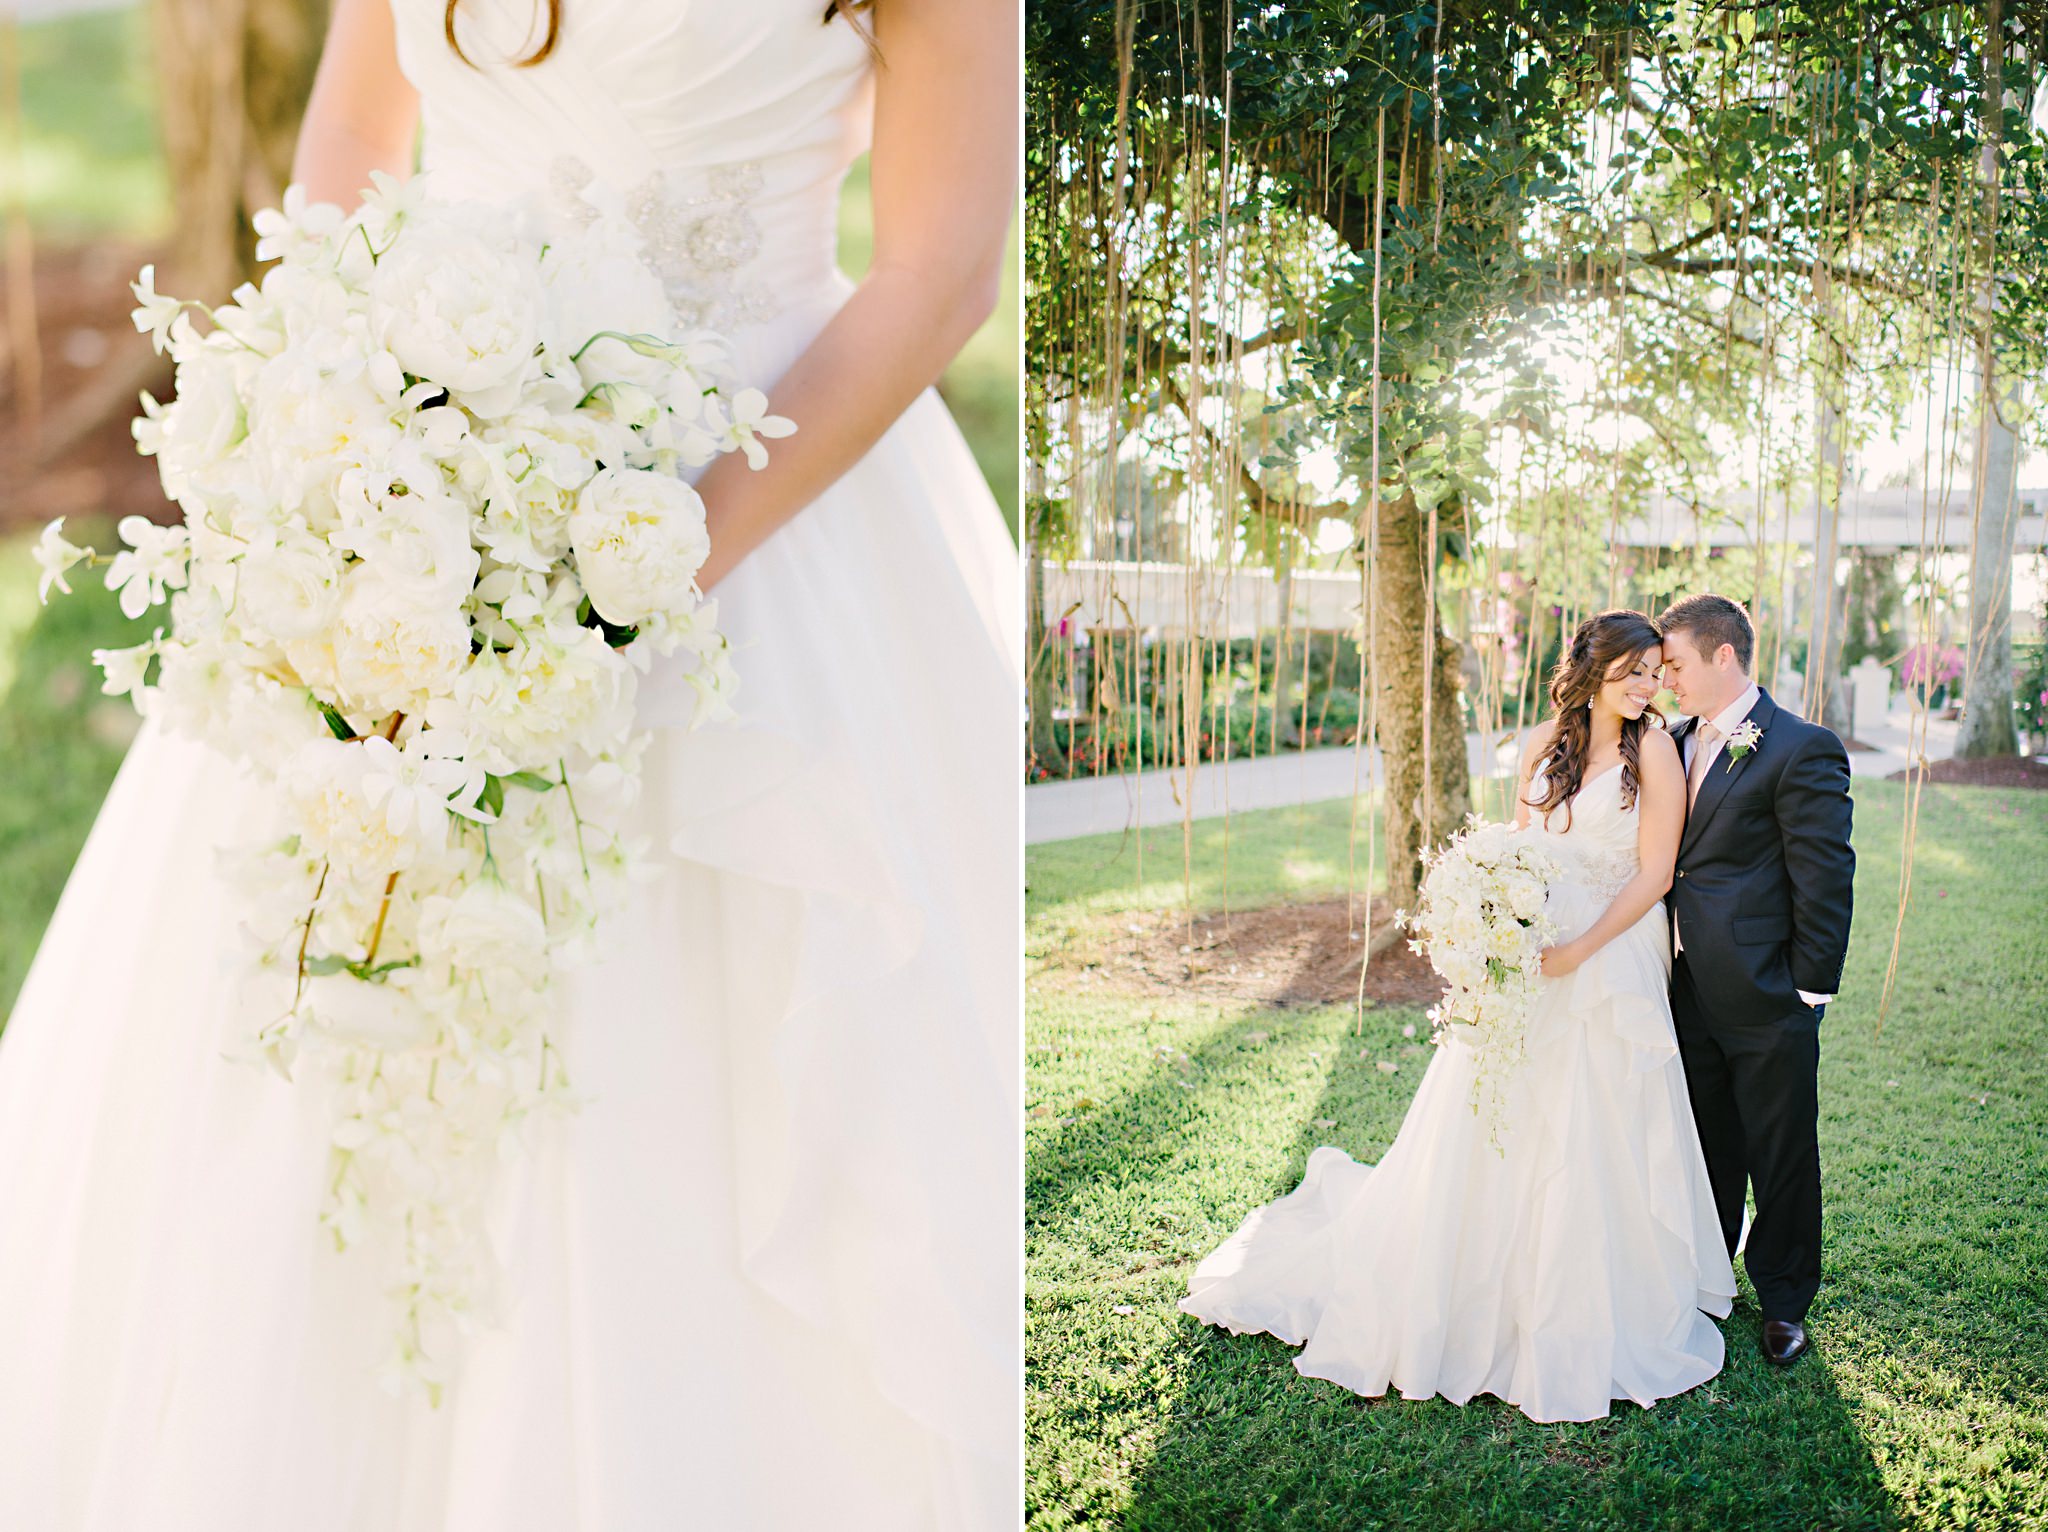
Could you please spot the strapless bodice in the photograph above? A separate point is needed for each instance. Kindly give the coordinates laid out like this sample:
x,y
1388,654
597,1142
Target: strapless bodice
x,y
725,130
1594,837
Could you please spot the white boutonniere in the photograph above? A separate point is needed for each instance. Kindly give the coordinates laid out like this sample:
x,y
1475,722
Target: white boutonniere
x,y
1741,742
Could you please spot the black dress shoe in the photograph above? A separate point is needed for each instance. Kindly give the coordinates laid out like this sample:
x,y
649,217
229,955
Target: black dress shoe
x,y
1784,1340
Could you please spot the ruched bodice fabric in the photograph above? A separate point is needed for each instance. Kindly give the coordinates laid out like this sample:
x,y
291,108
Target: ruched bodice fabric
x,y
742,119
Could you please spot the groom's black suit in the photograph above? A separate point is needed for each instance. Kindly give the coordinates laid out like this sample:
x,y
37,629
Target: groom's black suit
x,y
1761,902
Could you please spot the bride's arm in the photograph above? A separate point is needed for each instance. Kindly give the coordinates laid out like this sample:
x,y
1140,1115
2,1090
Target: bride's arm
x,y
362,112
1660,819
943,171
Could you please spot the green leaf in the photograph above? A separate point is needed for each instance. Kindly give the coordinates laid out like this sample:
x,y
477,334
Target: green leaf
x,y
533,781
326,964
492,799
336,724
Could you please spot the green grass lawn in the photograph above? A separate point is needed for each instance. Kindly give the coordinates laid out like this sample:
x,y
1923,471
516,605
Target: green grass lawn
x,y
1158,1122
91,166
61,739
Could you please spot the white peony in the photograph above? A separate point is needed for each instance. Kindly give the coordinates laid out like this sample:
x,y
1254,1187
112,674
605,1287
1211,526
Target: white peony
x,y
487,930
289,585
559,688
640,538
597,282
386,652
328,795
308,425
458,309
380,1013
416,535
193,436
1526,897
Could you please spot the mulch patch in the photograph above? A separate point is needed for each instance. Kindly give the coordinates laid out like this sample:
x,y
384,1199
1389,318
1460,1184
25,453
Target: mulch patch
x,y
1282,954
88,346
1997,771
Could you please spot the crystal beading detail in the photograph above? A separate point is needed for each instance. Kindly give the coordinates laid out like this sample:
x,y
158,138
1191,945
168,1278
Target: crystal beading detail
x,y
699,243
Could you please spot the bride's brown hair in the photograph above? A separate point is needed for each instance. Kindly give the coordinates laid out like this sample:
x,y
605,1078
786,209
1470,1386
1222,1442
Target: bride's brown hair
x,y
547,42
1581,671
833,8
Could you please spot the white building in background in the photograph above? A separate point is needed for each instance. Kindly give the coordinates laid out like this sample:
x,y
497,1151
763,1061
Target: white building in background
x,y
1093,594
1240,603
1894,519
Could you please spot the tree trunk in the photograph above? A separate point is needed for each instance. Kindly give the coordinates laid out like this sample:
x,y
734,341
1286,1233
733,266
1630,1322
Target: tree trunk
x,y
1987,727
234,76
1422,809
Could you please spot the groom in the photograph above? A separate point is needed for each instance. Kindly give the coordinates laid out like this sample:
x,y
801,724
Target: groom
x,y
1760,913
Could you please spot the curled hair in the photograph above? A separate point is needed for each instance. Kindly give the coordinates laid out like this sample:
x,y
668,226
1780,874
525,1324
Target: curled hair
x,y
846,8
1586,666
547,42
854,11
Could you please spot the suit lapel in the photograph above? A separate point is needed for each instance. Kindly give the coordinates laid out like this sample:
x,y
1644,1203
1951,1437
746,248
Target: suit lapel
x,y
1722,774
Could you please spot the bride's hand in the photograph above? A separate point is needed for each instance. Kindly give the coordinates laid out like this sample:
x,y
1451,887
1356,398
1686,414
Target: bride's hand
x,y
1560,960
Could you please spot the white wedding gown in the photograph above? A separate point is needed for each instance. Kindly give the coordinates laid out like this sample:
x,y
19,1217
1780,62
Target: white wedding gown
x,y
769,1276
1566,1268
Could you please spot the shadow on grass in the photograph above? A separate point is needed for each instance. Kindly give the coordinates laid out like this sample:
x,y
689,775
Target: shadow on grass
x,y
1121,1138
1251,1444
1243,1441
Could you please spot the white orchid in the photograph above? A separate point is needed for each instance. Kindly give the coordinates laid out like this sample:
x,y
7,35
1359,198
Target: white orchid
x,y
125,669
152,564
154,312
1746,737
298,229
54,557
420,785
748,421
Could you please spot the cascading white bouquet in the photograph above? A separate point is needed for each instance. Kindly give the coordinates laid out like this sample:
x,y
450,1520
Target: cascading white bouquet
x,y
1483,927
433,533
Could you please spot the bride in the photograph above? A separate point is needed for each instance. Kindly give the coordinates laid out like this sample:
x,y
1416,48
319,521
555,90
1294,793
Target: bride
x,y
767,1277
1568,1263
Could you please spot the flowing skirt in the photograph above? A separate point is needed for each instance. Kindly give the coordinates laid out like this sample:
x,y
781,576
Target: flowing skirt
x,y
1558,1255
767,1277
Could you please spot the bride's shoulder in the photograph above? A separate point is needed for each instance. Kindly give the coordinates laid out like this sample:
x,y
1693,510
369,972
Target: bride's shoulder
x,y
1657,762
1539,740
1657,744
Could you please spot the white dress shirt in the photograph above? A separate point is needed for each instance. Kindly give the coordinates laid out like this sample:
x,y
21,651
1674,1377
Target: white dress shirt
x,y
1725,723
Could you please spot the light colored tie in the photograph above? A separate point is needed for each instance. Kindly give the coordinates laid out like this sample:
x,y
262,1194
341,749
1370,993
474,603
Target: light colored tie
x,y
1704,738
